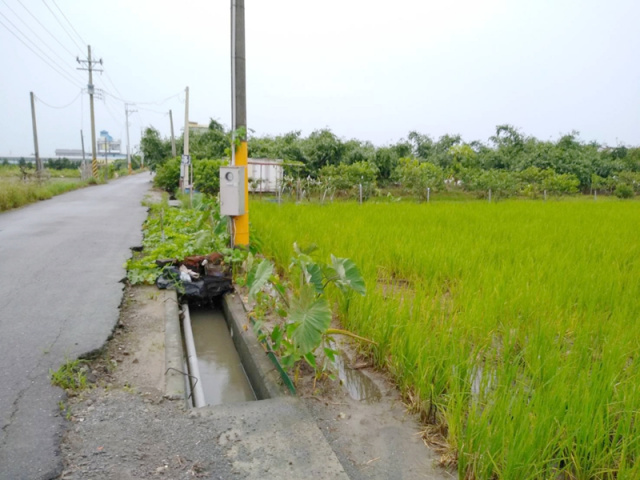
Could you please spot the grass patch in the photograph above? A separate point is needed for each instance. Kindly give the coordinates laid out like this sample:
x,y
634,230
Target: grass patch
x,y
15,193
70,376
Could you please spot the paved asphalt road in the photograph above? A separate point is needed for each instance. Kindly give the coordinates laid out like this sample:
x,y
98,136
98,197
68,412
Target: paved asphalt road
x,y
60,265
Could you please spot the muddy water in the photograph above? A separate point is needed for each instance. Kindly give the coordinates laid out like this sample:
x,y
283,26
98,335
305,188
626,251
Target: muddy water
x,y
223,378
358,385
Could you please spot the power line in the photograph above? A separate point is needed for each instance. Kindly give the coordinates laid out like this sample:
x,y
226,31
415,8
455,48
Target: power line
x,y
53,67
159,103
63,106
113,116
112,84
46,29
63,27
34,34
70,24
152,110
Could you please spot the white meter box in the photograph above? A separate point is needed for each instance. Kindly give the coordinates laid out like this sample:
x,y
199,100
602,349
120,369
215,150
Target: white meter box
x,y
232,191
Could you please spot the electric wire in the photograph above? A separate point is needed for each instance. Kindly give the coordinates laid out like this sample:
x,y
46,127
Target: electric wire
x,y
159,103
62,60
152,110
108,77
142,122
53,67
62,26
70,24
112,115
47,30
61,107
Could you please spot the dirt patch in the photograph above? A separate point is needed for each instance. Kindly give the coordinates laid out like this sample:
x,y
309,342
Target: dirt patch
x,y
138,342
367,424
123,428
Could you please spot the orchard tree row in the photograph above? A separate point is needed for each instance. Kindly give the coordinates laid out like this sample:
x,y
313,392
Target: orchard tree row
x,y
509,163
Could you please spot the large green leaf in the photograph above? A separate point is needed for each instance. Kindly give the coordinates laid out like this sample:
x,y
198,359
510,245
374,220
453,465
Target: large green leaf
x,y
311,317
311,271
346,275
313,275
258,277
304,251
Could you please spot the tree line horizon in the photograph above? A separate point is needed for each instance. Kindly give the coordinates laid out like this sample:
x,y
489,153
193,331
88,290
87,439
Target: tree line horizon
x,y
509,161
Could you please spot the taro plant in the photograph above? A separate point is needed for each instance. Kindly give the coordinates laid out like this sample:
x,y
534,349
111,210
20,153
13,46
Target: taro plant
x,y
180,232
302,304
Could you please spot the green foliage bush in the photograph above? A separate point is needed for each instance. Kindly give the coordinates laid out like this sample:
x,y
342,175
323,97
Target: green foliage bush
x,y
62,164
345,179
168,175
624,190
417,176
206,175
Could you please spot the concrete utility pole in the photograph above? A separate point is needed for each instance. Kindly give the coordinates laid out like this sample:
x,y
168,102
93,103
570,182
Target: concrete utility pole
x,y
239,157
126,114
84,162
141,151
90,88
186,162
173,138
106,161
35,135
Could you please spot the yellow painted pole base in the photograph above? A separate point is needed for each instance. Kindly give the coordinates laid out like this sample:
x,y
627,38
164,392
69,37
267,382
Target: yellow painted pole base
x,y
94,168
241,223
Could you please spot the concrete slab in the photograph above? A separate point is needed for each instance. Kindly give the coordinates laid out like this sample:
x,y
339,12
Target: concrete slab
x,y
274,438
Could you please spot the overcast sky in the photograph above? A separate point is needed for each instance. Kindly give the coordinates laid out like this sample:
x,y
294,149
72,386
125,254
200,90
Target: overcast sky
x,y
367,69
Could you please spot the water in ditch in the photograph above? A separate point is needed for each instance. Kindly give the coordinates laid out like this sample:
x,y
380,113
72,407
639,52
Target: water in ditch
x,y
223,377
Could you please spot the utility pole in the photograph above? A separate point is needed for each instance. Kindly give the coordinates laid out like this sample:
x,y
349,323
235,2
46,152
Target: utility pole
x,y
126,114
173,138
240,157
186,161
106,161
90,88
84,162
141,151
35,135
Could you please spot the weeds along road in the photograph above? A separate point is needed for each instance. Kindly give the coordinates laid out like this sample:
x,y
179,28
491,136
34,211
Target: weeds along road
x,y
60,265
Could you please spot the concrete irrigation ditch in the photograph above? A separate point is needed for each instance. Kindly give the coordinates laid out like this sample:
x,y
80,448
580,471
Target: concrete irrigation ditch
x,y
135,423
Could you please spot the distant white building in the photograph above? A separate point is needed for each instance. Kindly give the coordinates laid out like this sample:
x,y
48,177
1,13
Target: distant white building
x,y
265,175
105,146
195,127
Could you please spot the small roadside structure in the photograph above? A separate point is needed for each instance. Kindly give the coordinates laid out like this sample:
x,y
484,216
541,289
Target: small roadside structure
x,y
265,175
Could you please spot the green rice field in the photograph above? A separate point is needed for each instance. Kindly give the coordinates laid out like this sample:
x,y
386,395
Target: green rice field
x,y
513,327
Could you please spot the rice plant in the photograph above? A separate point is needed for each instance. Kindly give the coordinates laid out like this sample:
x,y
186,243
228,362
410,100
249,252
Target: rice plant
x,y
514,326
